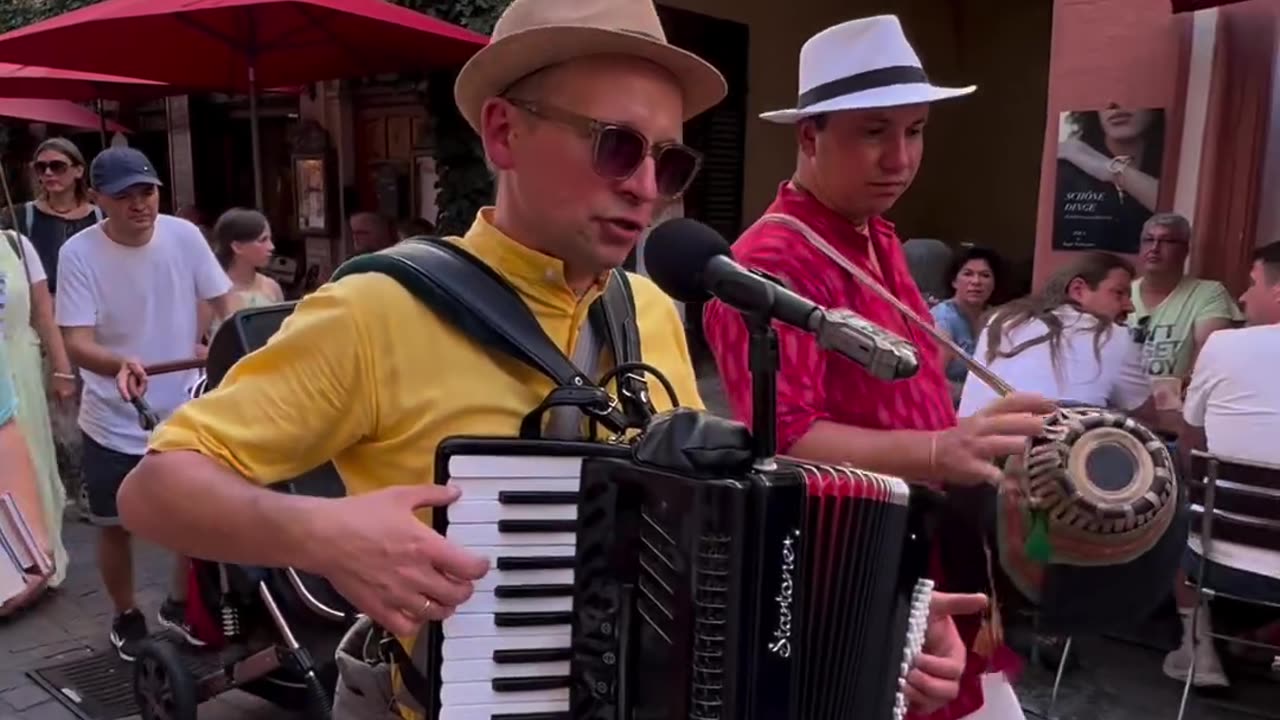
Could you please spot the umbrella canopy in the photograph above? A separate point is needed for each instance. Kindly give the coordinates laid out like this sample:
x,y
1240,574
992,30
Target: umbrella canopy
x,y
1194,5
33,81
58,112
214,44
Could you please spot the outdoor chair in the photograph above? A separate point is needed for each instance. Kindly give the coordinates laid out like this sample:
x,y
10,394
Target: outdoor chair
x,y
1231,501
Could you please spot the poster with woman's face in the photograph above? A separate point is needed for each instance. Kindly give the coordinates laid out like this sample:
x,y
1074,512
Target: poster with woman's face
x,y
1108,180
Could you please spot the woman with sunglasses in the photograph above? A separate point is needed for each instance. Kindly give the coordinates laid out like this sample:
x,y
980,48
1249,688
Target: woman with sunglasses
x,y
61,207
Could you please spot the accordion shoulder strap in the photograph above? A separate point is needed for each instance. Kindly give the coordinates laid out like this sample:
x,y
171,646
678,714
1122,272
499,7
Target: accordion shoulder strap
x,y
473,297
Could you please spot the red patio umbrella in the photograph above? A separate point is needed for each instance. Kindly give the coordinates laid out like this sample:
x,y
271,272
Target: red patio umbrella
x,y
242,45
57,112
33,81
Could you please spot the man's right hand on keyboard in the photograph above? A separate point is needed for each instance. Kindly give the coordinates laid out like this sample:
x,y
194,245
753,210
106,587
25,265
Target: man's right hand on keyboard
x,y
388,563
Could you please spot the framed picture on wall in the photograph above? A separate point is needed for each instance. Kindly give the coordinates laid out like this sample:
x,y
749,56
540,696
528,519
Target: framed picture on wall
x,y
312,212
1108,177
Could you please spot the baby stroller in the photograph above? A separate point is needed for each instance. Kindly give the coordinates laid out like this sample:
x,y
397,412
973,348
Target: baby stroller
x,y
271,632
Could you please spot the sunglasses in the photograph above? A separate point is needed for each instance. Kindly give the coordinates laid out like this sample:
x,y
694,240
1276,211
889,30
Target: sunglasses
x,y
57,167
618,151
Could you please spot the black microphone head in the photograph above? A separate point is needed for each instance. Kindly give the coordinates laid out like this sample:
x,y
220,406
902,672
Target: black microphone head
x,y
676,253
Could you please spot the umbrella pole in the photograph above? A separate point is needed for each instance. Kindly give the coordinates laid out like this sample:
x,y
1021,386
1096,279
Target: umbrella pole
x,y
102,122
254,140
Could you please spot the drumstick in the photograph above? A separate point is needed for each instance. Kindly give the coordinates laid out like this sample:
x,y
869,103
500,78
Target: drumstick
x,y
175,366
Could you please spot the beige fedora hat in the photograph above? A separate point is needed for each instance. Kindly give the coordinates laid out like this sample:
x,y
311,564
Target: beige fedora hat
x,y
536,34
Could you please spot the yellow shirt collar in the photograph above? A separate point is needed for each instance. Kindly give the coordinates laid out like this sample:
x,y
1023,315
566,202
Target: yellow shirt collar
x,y
537,277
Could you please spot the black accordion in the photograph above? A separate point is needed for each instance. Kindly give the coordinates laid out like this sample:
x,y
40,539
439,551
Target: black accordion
x,y
624,591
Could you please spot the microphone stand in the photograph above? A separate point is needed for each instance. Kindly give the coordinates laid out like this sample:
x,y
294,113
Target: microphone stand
x,y
763,362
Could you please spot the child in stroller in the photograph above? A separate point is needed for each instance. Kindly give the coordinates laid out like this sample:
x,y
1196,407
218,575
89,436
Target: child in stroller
x,y
271,632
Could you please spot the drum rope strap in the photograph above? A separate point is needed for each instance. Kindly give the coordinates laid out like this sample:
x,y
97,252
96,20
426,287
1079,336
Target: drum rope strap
x,y
991,634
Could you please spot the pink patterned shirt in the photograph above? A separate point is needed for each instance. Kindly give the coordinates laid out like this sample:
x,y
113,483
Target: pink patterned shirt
x,y
814,384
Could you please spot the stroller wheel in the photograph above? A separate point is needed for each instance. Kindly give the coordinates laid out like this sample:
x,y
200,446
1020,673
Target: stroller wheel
x,y
162,686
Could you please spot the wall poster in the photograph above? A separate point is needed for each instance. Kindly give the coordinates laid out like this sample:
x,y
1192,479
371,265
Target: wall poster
x,y
1108,177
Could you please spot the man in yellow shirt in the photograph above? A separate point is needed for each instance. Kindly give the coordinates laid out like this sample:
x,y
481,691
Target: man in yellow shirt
x,y
580,107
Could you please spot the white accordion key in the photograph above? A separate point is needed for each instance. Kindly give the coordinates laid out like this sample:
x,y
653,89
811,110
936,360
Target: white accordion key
x,y
520,468
488,603
485,625
485,670
478,693
474,648
489,710
492,511
495,578
488,488
470,534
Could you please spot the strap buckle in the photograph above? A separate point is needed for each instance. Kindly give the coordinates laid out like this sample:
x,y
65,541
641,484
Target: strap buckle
x,y
602,411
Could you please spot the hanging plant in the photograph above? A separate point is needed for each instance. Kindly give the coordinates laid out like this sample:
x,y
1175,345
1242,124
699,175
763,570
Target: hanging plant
x,y
463,182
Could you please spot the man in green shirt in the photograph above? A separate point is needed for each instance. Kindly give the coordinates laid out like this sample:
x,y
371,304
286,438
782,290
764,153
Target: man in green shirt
x,y
1174,312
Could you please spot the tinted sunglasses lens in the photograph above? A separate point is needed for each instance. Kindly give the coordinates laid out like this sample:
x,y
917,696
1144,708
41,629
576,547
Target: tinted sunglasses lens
x,y
619,151
57,167
675,169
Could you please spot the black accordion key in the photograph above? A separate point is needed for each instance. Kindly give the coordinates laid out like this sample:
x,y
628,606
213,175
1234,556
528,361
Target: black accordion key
x,y
532,619
537,526
539,655
528,684
536,563
534,497
533,591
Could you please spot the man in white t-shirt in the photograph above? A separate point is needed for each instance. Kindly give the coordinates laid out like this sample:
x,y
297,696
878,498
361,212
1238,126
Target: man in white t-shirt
x,y
129,289
1232,409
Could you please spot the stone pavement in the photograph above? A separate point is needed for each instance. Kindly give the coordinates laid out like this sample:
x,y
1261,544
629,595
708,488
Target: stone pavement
x,y
75,619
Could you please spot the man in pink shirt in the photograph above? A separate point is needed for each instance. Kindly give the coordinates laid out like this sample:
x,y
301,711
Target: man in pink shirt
x,y
864,101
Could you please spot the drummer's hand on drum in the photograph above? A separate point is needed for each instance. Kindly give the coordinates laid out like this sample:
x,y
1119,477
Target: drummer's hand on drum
x,y
202,351
934,681
131,380
966,454
388,563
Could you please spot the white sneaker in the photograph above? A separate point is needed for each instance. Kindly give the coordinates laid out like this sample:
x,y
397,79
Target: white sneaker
x,y
1209,672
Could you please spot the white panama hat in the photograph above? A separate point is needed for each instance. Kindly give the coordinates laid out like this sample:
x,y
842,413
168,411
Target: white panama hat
x,y
861,64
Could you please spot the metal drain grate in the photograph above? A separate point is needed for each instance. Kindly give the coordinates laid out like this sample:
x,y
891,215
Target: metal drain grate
x,y
94,687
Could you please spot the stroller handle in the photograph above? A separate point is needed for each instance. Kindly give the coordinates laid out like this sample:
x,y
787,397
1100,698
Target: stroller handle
x,y
175,366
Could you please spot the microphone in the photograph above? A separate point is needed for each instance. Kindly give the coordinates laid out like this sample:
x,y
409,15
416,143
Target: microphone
x,y
692,263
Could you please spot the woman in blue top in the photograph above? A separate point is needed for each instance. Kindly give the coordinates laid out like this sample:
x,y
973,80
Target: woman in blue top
x,y
973,276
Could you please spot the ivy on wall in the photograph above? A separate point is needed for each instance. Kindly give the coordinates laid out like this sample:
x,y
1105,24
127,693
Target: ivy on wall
x,y
20,13
463,182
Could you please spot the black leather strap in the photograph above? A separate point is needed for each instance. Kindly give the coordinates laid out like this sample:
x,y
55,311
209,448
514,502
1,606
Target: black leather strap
x,y
474,298
418,687
615,316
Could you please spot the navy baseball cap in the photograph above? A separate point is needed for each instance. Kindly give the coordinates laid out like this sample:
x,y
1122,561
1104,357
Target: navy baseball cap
x,y
117,169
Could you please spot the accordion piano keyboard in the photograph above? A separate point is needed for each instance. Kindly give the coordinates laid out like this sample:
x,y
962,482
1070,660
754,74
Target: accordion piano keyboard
x,y
506,652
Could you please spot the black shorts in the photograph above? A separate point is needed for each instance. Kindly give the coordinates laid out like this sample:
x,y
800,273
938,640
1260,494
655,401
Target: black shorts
x,y
104,470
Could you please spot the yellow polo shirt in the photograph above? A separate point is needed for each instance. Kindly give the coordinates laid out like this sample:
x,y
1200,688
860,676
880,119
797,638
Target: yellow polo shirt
x,y
364,374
